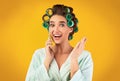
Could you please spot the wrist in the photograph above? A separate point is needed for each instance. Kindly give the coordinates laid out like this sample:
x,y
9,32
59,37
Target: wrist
x,y
74,67
73,59
47,64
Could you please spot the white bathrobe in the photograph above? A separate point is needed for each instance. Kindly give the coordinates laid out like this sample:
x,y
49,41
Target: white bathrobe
x,y
38,72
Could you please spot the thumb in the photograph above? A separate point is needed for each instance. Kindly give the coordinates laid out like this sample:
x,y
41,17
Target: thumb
x,y
51,48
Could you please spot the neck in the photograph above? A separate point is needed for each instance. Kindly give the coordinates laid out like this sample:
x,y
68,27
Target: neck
x,y
64,48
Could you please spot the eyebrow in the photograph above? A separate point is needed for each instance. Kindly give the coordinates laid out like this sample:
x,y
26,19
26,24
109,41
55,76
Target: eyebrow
x,y
59,22
51,21
62,21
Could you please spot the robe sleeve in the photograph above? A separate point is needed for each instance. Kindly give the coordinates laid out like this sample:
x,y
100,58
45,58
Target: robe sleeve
x,y
37,71
86,71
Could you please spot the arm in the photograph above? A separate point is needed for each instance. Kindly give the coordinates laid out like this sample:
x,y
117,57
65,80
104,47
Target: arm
x,y
37,70
83,72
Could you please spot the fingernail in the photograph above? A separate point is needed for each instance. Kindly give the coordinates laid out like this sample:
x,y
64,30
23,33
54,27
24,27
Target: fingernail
x,y
48,38
85,39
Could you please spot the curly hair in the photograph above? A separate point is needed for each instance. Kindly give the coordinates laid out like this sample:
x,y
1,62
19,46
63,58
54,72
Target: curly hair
x,y
64,11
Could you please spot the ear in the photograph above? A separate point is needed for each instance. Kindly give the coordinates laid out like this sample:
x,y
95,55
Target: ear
x,y
71,30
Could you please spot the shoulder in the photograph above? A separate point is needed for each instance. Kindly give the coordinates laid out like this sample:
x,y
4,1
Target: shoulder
x,y
86,53
39,53
37,57
85,56
85,60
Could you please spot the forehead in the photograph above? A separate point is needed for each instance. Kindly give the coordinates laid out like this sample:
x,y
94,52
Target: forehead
x,y
57,18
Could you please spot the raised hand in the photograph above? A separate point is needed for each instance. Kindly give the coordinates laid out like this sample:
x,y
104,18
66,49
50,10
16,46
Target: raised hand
x,y
78,49
49,53
75,54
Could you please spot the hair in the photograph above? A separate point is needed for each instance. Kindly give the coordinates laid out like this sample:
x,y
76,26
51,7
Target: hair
x,y
60,9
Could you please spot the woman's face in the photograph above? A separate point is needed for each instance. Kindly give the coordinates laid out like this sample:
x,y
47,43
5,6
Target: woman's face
x,y
58,29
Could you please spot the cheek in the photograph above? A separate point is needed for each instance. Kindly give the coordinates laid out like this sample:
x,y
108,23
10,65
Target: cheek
x,y
66,33
50,30
66,30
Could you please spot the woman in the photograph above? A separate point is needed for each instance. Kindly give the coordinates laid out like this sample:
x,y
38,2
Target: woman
x,y
61,62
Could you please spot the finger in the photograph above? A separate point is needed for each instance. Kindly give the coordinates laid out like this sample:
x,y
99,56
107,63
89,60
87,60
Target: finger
x,y
48,35
82,41
76,47
79,43
85,39
48,43
49,38
51,49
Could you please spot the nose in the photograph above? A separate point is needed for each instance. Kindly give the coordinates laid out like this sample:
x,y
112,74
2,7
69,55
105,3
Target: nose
x,y
56,29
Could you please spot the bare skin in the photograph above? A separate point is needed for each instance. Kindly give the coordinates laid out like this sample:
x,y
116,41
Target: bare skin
x,y
62,49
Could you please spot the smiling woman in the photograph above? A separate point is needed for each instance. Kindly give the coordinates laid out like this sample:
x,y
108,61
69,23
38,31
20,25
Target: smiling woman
x,y
61,62
58,29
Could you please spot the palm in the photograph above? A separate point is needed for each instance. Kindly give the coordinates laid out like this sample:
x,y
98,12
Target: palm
x,y
78,48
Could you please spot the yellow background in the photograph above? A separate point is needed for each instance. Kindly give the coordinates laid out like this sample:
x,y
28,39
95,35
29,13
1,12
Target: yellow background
x,y
21,33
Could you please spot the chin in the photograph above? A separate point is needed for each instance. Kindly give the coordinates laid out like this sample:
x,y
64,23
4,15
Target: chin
x,y
57,42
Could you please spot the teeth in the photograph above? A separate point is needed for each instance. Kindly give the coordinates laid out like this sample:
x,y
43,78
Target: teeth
x,y
57,35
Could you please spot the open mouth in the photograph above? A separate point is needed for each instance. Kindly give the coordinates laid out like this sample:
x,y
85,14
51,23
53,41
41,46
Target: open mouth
x,y
56,37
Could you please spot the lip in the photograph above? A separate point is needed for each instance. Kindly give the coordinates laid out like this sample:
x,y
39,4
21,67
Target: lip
x,y
57,38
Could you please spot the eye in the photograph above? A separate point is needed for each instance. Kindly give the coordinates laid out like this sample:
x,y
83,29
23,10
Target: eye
x,y
62,25
51,25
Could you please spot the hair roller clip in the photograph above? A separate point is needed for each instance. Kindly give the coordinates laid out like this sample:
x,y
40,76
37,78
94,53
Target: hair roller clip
x,y
45,18
76,20
67,10
69,16
76,29
70,23
70,37
49,12
45,25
